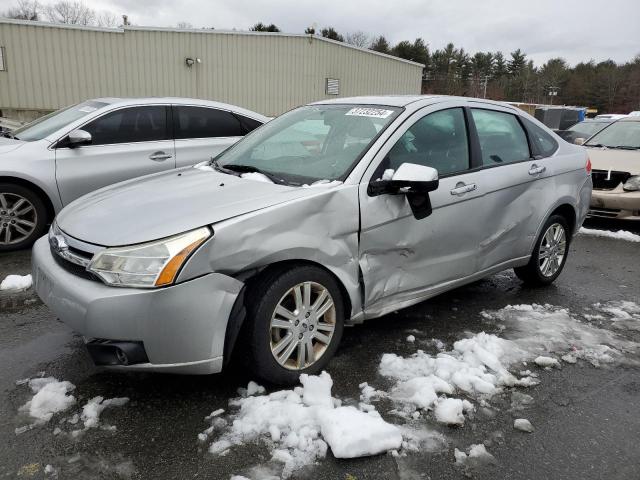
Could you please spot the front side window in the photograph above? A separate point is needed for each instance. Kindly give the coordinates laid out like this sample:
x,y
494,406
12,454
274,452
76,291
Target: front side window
x,y
544,144
48,124
311,143
438,140
202,122
128,125
621,135
502,139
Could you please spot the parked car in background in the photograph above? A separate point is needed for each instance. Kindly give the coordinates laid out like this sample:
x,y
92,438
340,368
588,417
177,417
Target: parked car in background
x,y
50,162
330,214
610,116
584,129
615,156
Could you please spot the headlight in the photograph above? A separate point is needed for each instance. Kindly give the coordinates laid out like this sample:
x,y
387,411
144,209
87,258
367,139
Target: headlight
x,y
147,265
632,184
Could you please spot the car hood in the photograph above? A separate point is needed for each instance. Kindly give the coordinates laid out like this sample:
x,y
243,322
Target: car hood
x,y
9,144
613,159
165,204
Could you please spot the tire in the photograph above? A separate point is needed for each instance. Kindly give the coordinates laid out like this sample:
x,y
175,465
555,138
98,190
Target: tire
x,y
21,227
264,340
538,272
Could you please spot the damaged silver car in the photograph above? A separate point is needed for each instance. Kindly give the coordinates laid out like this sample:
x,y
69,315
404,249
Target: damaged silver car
x,y
331,214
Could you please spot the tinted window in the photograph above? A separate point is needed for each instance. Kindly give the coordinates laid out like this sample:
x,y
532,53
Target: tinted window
x,y
135,124
248,124
502,139
202,122
438,140
543,143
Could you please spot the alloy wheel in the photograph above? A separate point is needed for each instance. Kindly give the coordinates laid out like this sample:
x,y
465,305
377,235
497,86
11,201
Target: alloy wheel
x,y
18,218
552,250
302,325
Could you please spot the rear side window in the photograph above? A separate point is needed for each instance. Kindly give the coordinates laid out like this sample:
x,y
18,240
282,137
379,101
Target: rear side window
x,y
248,124
543,143
502,139
128,125
202,122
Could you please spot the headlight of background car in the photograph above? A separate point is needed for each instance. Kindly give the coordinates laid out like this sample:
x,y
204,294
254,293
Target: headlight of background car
x,y
153,264
632,184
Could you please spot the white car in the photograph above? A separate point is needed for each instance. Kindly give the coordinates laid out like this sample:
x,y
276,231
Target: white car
x,y
57,158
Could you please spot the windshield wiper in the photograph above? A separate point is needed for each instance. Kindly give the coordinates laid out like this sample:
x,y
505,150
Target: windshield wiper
x,y
251,169
595,145
9,135
625,147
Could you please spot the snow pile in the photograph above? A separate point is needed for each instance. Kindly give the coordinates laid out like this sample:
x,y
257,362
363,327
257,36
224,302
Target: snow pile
x,y
476,456
51,396
91,411
298,424
323,184
256,176
450,410
546,362
619,235
623,314
16,282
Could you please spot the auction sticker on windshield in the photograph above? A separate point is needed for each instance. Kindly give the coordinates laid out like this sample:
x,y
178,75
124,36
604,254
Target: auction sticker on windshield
x,y
369,112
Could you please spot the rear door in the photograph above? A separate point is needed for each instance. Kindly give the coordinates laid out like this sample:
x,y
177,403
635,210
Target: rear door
x,y
126,143
203,132
514,178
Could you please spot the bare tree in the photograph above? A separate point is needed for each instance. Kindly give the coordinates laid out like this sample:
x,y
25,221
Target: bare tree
x,y
184,25
358,39
106,19
24,10
71,12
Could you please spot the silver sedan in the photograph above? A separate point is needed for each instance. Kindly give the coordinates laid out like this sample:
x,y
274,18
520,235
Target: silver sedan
x,y
333,213
62,156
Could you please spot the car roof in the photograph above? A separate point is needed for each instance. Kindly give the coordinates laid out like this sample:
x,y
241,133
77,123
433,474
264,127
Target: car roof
x,y
404,100
629,119
124,101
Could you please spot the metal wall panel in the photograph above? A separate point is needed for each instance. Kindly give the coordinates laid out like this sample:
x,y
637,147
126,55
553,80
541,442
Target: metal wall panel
x,y
51,66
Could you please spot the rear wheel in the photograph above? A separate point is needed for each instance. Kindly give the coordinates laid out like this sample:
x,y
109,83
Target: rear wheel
x,y
23,217
295,323
549,254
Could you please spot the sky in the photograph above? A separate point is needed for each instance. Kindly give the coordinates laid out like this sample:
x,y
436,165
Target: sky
x,y
576,30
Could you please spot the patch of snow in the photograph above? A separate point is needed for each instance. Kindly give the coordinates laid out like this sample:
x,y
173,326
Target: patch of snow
x,y
543,361
323,184
16,282
476,456
623,314
619,235
568,358
411,339
93,408
523,424
388,174
451,411
50,470
252,389
256,176
51,396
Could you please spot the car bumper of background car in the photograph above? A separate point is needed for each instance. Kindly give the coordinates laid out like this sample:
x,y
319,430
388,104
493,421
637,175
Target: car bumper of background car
x,y
615,204
177,329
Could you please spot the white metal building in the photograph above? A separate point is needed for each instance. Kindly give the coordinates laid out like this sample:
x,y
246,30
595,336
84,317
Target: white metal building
x,y
45,66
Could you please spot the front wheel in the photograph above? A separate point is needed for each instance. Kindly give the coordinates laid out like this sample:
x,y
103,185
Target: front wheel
x,y
549,254
295,323
23,217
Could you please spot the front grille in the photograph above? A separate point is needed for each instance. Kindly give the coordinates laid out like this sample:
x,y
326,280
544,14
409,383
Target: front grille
x,y
604,212
73,268
608,180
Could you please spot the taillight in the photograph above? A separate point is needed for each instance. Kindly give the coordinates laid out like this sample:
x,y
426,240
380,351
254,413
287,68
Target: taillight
x,y
587,167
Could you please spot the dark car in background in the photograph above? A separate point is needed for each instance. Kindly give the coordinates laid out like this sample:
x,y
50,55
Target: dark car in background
x,y
585,129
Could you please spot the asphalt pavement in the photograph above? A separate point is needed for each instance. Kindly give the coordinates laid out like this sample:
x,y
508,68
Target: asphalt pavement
x,y
586,418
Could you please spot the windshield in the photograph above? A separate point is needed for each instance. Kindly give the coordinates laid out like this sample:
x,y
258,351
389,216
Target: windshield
x,y
309,144
618,135
588,128
45,126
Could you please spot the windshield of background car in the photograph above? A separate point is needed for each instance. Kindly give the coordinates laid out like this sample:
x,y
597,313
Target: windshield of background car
x,y
45,126
311,143
618,135
588,128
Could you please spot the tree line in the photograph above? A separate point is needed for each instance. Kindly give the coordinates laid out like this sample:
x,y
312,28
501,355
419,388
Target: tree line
x,y
607,86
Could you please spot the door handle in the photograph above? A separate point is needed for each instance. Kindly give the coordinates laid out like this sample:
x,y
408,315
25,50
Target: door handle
x,y
462,188
159,156
535,169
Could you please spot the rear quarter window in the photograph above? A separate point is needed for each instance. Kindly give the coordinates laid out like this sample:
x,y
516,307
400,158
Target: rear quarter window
x,y
542,142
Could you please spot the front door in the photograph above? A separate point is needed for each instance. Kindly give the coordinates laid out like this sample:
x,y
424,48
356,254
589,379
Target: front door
x,y
401,257
126,143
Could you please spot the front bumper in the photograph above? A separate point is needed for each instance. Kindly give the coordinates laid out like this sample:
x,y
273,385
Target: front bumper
x,y
615,204
182,327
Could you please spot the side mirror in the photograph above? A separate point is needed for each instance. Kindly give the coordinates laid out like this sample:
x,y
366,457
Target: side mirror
x,y
579,141
78,138
414,181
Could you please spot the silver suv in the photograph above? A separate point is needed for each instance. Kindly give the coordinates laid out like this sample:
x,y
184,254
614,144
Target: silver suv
x,y
333,213
62,156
